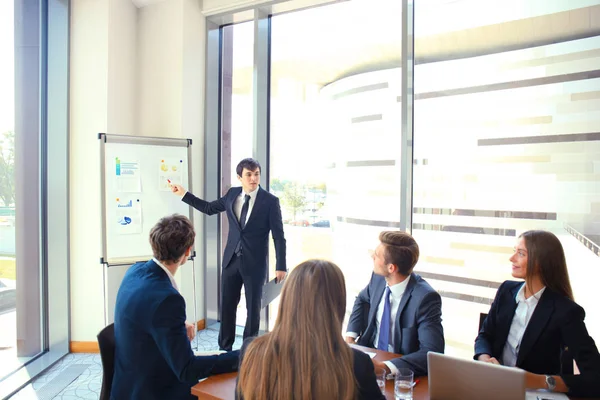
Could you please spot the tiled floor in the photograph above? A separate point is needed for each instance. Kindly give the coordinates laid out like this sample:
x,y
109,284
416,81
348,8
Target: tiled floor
x,y
87,385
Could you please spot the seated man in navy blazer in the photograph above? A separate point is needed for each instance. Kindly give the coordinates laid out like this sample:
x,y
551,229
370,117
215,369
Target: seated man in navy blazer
x,y
398,311
153,356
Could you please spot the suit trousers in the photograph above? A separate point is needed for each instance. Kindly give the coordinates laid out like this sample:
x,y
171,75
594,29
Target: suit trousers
x,y
233,277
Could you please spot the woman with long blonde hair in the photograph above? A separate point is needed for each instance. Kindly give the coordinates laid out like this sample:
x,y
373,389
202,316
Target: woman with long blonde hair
x,y
304,356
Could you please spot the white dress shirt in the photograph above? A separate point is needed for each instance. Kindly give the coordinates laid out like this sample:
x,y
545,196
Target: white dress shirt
x,y
523,313
239,203
169,274
396,292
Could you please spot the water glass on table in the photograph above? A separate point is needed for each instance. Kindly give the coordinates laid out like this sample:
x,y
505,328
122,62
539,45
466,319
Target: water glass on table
x,y
380,374
403,384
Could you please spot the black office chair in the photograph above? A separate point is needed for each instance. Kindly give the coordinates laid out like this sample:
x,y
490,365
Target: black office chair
x,y
106,342
566,361
482,317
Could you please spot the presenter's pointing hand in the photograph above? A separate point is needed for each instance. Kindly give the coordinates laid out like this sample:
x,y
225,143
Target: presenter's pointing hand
x,y
178,189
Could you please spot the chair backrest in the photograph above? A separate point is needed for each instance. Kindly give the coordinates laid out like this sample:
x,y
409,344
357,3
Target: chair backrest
x,y
106,342
482,317
566,362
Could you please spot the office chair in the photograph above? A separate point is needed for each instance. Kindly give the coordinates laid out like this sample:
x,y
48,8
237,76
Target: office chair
x,y
106,342
566,362
482,317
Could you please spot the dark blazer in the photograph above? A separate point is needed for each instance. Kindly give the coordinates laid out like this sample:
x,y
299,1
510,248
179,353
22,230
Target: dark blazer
x,y
417,327
153,356
556,323
364,374
264,217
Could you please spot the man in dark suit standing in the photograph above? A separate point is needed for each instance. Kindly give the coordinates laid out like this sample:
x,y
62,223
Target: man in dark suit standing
x,y
153,356
252,213
398,311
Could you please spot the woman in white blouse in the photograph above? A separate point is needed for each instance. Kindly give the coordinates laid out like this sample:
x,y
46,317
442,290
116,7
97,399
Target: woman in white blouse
x,y
531,323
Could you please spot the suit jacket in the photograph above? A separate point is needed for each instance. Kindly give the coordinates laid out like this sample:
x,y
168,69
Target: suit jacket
x,y
265,217
364,374
417,327
153,356
556,323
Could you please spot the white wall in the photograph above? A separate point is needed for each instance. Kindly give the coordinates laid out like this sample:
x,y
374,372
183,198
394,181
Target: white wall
x,y
160,62
192,123
171,60
122,66
88,116
212,7
215,7
137,72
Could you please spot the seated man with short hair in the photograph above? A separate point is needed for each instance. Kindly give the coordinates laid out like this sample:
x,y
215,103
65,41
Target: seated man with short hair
x,y
398,311
153,356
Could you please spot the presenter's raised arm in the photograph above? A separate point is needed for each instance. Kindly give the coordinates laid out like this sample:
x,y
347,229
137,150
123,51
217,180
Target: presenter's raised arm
x,y
206,207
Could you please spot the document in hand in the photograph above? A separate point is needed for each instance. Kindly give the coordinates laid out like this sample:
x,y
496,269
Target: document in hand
x,y
270,291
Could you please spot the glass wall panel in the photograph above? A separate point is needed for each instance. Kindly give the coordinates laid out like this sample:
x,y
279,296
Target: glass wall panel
x,y
335,132
20,278
507,115
34,215
237,114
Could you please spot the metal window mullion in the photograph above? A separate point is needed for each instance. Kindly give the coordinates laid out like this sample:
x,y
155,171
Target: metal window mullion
x,y
261,92
407,95
55,145
261,99
212,163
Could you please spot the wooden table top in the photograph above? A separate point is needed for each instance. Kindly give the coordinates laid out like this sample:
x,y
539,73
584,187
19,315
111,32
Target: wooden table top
x,y
222,386
216,387
219,387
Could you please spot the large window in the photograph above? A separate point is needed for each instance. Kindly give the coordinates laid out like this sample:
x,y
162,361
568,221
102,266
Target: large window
x,y
33,188
505,141
20,336
335,135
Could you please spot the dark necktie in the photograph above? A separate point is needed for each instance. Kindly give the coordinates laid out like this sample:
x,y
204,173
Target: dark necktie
x,y
384,325
244,213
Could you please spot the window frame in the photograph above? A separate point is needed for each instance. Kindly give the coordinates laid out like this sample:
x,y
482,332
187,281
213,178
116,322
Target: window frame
x,y
48,209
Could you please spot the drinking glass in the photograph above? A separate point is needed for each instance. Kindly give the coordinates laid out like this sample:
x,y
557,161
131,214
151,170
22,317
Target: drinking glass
x,y
403,384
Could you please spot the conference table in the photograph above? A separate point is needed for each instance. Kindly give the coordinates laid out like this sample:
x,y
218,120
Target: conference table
x,y
219,387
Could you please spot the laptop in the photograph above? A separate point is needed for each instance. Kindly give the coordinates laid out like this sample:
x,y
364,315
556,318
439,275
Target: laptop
x,y
452,378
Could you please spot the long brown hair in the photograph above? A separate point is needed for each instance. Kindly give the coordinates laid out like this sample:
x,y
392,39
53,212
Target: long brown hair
x,y
304,357
545,257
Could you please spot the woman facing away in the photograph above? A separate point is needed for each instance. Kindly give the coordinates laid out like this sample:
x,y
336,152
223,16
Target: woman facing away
x,y
531,324
304,356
